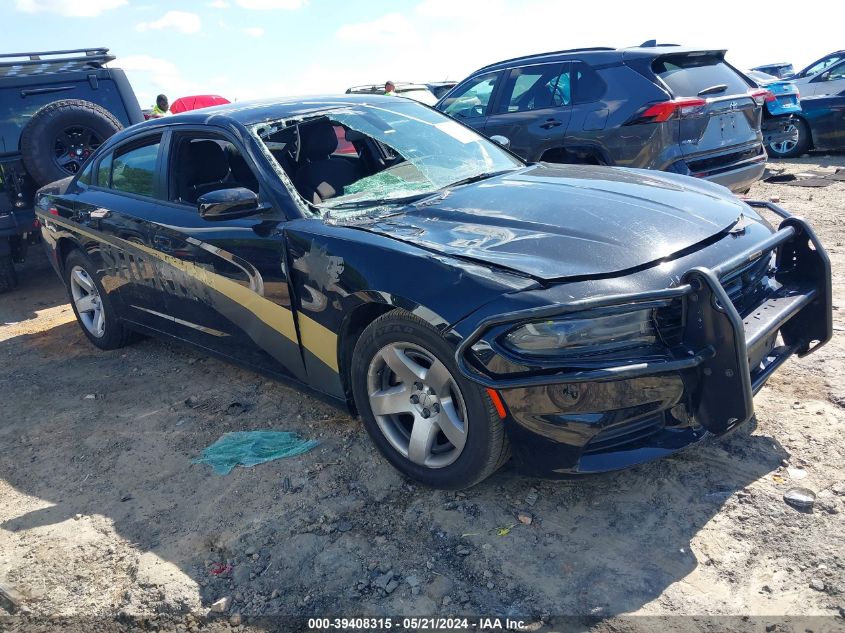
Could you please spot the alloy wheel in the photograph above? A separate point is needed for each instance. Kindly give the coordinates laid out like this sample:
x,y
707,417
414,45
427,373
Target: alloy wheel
x,y
789,144
417,404
73,146
89,305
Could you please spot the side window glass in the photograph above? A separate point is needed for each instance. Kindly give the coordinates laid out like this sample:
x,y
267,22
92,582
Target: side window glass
x,y
827,62
85,176
535,87
134,170
104,172
205,164
589,86
837,73
473,99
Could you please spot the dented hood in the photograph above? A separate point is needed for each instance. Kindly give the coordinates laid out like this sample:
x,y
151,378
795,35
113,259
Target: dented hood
x,y
561,221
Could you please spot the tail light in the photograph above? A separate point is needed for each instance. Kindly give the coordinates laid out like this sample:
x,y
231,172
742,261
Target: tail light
x,y
666,110
53,211
763,96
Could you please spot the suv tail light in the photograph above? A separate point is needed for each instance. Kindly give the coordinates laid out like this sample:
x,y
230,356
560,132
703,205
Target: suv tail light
x,y
763,96
659,112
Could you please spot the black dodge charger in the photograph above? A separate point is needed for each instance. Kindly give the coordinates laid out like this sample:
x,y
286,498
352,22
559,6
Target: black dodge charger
x,y
467,305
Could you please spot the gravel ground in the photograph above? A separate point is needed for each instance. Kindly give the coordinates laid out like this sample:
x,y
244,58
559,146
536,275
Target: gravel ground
x,y
103,515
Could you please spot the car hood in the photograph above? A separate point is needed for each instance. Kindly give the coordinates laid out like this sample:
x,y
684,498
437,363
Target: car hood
x,y
564,221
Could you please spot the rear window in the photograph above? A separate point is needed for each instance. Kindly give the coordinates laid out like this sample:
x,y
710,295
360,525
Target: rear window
x,y
687,75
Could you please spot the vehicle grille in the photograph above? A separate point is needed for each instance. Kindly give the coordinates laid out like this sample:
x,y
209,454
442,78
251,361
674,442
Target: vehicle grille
x,y
626,433
746,286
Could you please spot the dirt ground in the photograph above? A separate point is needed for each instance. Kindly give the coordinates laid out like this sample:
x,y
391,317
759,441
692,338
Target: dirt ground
x,y
102,513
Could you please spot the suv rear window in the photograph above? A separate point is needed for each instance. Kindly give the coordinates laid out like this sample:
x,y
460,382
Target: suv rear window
x,y
687,75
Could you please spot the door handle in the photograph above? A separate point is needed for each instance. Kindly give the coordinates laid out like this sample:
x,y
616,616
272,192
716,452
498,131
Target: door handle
x,y
550,123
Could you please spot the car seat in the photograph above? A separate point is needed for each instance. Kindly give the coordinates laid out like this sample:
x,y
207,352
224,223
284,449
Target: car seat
x,y
322,176
205,169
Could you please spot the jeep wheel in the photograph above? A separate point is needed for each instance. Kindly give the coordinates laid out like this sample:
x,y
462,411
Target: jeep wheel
x,y
428,420
8,277
62,135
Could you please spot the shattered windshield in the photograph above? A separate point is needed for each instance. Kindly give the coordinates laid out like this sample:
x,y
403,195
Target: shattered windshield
x,y
360,156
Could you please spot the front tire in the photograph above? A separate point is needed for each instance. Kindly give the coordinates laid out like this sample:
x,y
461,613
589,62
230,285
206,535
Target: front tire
x,y
91,304
430,423
792,149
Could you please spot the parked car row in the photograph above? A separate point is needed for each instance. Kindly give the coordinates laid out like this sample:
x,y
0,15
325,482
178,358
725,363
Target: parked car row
x,y
681,110
824,76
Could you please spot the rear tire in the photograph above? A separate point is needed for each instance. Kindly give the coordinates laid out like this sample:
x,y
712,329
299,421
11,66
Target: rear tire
x,y
466,439
92,306
792,150
60,137
8,276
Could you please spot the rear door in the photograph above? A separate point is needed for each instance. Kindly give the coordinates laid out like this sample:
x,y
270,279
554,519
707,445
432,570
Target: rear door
x,y
124,190
533,109
722,114
470,101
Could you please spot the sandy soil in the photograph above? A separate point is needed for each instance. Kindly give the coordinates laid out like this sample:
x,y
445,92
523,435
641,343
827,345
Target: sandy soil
x,y
102,513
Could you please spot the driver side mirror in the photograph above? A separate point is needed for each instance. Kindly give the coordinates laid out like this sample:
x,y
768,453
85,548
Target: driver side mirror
x,y
504,141
825,76
228,204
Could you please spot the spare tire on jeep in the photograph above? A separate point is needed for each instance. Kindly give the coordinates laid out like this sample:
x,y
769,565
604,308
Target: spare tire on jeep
x,y
62,135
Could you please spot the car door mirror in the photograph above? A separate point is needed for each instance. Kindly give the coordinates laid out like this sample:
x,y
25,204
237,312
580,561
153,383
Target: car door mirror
x,y
228,204
504,141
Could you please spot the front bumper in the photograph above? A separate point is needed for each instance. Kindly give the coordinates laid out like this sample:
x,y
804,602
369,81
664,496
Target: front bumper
x,y
599,419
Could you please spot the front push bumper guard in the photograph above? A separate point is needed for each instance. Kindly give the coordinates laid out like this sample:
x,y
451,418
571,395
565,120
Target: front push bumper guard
x,y
717,343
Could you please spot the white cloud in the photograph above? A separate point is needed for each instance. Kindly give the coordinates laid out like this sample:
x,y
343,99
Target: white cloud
x,y
457,9
219,4
182,21
393,28
264,5
70,8
253,31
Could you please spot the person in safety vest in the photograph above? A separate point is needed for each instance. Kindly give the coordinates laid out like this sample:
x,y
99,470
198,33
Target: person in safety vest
x,y
162,107
389,89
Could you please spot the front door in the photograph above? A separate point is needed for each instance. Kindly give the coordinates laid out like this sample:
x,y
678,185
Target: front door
x,y
228,286
533,109
469,102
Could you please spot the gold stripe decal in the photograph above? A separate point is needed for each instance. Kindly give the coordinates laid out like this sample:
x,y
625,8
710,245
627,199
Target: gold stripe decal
x,y
319,340
316,338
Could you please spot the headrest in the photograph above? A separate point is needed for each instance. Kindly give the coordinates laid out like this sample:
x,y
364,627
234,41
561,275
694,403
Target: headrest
x,y
318,139
237,163
207,161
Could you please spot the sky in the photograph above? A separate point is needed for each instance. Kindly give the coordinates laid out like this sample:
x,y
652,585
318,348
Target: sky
x,y
246,49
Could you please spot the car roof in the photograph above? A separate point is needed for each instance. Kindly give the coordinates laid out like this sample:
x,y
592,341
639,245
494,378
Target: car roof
x,y
248,113
599,55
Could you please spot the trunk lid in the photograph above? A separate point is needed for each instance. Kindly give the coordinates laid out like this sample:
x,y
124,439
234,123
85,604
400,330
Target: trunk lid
x,y
728,116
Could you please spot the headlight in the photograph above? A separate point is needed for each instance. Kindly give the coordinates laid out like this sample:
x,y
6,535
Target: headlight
x,y
584,336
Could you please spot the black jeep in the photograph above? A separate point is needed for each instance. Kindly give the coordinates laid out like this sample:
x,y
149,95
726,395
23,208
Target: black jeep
x,y
56,108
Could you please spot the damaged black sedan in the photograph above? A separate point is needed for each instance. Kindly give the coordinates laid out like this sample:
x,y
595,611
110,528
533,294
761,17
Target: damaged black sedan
x,y
466,305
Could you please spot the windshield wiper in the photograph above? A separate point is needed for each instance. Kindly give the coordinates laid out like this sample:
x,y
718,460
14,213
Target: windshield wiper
x,y
375,202
477,177
712,90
